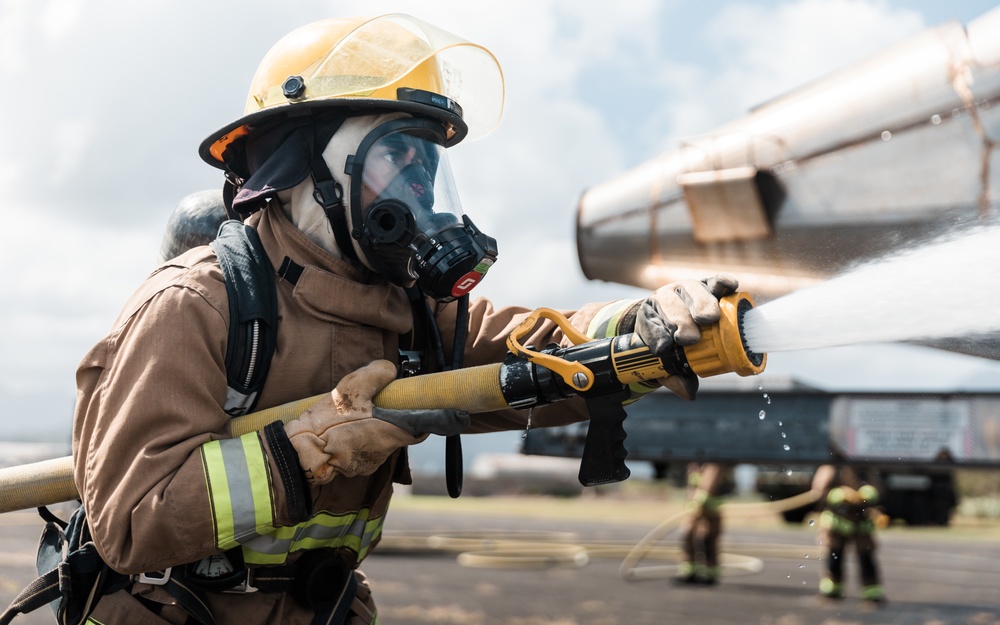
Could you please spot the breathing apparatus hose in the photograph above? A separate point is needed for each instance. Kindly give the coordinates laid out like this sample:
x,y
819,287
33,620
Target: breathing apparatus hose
x,y
599,370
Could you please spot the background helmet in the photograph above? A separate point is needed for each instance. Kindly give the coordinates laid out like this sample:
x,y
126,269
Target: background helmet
x,y
394,62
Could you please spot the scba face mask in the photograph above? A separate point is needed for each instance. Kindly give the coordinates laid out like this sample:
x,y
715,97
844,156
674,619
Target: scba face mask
x,y
406,215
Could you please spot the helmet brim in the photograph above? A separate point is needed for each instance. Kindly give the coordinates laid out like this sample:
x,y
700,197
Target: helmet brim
x,y
223,139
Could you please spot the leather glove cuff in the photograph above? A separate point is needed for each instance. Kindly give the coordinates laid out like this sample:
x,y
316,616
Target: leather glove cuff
x,y
297,497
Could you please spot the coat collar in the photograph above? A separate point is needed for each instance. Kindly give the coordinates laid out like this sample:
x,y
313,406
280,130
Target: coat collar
x,y
330,288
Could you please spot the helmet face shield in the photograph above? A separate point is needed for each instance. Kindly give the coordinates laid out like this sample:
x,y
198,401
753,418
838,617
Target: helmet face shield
x,y
367,63
406,213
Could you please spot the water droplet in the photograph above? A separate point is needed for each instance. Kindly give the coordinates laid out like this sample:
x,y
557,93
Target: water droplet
x,y
812,522
886,135
761,415
806,556
780,424
765,395
802,566
783,435
788,577
768,400
786,448
935,119
788,473
804,582
760,388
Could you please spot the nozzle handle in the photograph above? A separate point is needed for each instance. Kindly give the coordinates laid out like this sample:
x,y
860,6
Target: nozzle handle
x,y
604,452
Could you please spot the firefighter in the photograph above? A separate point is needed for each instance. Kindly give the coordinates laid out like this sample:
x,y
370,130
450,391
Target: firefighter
x,y
703,526
193,222
850,515
340,166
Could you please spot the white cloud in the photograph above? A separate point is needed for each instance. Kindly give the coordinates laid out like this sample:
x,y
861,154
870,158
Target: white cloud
x,y
59,17
14,33
72,138
772,50
62,289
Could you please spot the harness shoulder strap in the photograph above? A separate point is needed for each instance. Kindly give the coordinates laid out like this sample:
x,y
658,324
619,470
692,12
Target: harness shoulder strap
x,y
253,313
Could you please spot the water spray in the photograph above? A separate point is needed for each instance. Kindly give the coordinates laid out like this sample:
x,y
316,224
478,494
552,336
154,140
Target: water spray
x,y
957,278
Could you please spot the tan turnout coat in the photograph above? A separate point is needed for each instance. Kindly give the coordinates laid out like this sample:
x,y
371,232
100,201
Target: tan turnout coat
x,y
151,394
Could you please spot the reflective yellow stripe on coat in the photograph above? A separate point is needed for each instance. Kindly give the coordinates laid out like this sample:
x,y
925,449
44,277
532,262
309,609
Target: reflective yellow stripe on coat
x,y
239,486
354,531
604,325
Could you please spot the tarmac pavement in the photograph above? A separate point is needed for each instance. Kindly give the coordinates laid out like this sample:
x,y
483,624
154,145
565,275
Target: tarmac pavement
x,y
931,578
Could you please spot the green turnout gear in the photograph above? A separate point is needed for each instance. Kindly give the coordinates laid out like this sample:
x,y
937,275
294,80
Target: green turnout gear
x,y
712,504
869,494
873,593
712,573
685,569
694,478
830,588
836,523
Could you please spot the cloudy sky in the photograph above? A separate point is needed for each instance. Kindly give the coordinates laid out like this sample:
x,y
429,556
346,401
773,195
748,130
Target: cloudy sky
x,y
107,101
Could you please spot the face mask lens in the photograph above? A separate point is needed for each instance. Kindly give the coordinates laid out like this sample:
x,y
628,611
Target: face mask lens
x,y
409,166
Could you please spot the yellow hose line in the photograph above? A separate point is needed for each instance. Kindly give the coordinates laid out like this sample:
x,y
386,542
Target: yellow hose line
x,y
505,549
500,549
37,484
476,389
540,556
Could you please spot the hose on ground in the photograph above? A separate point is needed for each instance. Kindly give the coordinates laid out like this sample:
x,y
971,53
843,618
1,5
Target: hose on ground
x,y
544,550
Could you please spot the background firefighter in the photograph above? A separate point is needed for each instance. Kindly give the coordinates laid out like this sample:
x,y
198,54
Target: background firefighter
x,y
703,526
850,515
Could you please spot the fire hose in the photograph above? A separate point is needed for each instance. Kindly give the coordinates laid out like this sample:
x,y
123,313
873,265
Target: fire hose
x,y
506,549
597,370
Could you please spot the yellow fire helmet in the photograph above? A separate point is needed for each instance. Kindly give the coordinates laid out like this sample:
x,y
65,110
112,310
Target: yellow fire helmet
x,y
394,62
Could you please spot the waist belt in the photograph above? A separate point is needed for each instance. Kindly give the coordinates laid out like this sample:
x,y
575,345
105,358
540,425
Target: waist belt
x,y
319,580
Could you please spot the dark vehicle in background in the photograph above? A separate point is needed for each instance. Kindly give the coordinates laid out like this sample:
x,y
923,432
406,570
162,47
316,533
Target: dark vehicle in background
x,y
907,443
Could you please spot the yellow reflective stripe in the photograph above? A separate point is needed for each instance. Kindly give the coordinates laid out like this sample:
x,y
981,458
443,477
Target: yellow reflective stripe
x,y
218,490
640,390
605,322
353,531
713,504
260,481
94,621
239,485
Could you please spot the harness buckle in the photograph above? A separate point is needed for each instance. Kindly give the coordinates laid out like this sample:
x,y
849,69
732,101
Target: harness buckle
x,y
154,578
409,362
244,587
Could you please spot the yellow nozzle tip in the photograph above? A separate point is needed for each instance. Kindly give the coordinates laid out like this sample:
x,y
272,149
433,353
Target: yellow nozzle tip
x,y
723,348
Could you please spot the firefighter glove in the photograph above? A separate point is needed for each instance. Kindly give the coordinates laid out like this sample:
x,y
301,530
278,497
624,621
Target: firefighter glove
x,y
345,434
672,316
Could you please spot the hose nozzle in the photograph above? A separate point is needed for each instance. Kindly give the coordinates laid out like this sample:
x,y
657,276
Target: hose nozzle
x,y
723,346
